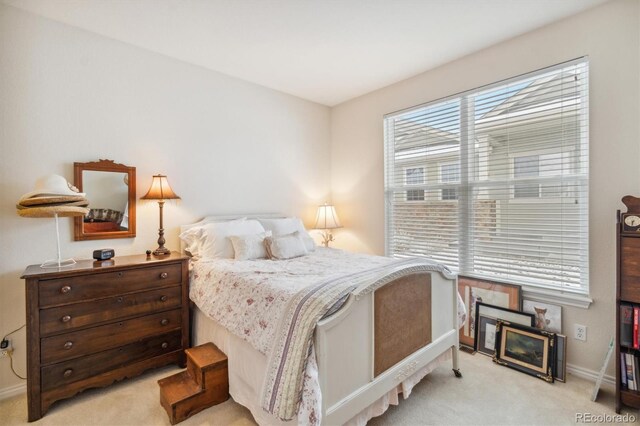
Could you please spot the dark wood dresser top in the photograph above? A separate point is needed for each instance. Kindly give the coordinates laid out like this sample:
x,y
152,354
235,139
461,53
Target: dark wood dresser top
x,y
90,265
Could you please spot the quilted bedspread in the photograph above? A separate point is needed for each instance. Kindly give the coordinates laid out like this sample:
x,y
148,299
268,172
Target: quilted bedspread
x,y
275,305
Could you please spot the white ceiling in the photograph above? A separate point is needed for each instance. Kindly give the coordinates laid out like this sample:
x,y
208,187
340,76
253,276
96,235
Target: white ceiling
x,y
325,51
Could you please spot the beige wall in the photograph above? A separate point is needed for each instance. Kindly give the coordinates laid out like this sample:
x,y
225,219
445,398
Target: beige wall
x,y
67,95
609,35
229,146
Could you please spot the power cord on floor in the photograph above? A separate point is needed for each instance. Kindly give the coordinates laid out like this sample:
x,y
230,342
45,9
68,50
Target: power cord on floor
x,y
10,353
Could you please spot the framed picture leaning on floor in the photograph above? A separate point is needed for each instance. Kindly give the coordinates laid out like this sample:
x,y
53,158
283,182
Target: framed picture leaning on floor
x,y
485,325
526,349
473,290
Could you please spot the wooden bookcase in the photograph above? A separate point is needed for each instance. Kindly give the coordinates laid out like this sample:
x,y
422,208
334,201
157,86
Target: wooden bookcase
x,y
627,293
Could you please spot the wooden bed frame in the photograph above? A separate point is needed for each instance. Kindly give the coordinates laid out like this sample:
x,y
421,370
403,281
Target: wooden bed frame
x,y
366,349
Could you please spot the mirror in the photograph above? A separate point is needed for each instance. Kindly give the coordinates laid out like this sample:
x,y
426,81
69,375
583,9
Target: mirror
x,y
111,191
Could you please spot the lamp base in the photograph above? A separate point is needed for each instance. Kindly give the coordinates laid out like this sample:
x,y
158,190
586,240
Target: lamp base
x,y
327,237
161,251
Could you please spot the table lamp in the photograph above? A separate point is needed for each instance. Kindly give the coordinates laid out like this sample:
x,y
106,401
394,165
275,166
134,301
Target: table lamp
x,y
161,191
327,219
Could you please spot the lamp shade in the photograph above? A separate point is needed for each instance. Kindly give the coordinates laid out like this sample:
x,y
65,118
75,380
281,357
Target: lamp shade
x,y
160,189
327,218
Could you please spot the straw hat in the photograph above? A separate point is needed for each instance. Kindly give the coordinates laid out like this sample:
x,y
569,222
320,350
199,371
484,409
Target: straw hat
x,y
61,211
53,185
53,200
30,203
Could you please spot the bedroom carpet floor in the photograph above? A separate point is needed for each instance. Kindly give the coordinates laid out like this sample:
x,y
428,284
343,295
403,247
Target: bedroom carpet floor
x,y
488,394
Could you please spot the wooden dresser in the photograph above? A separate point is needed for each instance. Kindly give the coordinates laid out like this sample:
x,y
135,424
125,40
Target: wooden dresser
x,y
95,323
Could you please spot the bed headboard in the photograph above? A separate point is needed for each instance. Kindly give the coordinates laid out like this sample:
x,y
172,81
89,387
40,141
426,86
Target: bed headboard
x,y
224,218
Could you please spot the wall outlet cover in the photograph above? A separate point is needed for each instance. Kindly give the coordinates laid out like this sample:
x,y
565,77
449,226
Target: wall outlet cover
x,y
580,332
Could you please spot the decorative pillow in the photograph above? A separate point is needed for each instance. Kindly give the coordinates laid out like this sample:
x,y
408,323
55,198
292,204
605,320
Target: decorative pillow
x,y
192,239
247,247
285,246
211,240
287,226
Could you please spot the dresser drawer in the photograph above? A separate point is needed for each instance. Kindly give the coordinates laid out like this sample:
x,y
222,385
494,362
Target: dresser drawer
x,y
81,368
68,317
91,340
105,284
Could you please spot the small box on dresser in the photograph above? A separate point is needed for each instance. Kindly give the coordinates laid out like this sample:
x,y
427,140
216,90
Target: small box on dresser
x,y
95,323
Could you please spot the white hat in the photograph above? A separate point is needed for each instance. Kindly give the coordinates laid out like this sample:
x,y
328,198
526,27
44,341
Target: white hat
x,y
52,185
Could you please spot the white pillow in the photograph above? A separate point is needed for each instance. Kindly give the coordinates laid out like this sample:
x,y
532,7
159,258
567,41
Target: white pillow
x,y
285,246
211,240
288,226
247,247
192,239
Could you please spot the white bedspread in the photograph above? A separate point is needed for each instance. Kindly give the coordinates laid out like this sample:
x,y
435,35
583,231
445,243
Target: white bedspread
x,y
249,297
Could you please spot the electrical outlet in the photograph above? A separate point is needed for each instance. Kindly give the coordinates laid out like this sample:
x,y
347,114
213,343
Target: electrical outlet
x,y
5,348
580,332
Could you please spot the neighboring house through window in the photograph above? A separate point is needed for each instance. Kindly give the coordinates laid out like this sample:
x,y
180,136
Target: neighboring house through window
x,y
501,173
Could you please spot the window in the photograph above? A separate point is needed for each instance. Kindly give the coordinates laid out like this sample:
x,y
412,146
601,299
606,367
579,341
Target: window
x,y
414,176
449,173
509,195
526,167
531,167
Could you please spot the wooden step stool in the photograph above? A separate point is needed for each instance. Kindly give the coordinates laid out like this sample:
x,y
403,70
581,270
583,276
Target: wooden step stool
x,y
203,384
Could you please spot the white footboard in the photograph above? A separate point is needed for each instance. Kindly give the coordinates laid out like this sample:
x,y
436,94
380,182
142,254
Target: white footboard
x,y
345,344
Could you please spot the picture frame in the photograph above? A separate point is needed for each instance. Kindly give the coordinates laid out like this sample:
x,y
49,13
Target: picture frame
x,y
526,349
561,358
485,325
474,290
548,316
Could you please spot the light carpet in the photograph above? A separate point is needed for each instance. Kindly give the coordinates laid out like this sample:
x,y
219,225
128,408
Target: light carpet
x,y
487,394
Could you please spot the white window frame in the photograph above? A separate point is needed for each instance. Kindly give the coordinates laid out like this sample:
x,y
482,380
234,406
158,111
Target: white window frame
x,y
555,295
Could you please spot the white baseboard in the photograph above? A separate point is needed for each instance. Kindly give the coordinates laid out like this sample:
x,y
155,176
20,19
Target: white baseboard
x,y
11,391
583,373
591,375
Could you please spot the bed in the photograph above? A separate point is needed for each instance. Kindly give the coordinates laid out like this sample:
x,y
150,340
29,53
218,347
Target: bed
x,y
325,338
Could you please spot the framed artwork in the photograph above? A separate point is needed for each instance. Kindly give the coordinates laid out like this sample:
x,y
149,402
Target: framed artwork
x,y
474,290
485,325
526,349
548,317
561,358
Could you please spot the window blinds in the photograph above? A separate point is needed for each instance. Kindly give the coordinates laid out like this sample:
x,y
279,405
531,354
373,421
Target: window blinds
x,y
494,182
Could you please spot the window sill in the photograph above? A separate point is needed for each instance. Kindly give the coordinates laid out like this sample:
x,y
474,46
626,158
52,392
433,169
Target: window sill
x,y
556,297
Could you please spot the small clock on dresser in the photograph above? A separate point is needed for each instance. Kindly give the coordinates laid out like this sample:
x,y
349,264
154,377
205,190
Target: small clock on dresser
x,y
630,220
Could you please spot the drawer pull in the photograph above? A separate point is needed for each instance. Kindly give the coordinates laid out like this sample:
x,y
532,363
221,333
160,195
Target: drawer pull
x,y
164,321
65,318
163,298
68,345
165,345
120,274
120,299
163,275
66,289
67,373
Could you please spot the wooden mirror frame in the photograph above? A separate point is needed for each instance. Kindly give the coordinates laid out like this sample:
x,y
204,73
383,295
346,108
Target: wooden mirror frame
x,y
106,166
